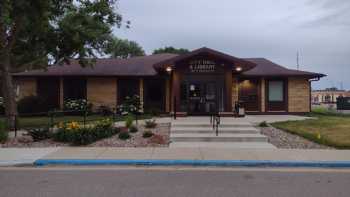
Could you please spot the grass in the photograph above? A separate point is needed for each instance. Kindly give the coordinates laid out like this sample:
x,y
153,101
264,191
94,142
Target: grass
x,y
43,121
328,128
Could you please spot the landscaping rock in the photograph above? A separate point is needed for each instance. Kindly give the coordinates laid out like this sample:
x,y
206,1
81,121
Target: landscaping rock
x,y
25,139
282,139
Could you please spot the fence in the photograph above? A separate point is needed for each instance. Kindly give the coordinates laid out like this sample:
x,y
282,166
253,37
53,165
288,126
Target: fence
x,y
52,118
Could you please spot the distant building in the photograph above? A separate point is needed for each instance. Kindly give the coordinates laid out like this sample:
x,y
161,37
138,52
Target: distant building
x,y
327,96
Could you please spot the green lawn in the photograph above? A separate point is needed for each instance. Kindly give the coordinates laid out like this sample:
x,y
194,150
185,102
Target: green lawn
x,y
42,121
329,129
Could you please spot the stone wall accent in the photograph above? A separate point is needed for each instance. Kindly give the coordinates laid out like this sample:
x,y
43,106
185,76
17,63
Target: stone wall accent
x,y
26,87
298,95
263,95
102,91
235,89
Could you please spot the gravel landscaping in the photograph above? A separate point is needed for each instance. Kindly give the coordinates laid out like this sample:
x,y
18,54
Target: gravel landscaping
x,y
282,139
159,139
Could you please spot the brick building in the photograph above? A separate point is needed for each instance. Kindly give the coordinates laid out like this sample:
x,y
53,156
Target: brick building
x,y
197,83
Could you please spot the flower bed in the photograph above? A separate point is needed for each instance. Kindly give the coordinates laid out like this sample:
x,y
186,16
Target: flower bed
x,y
77,134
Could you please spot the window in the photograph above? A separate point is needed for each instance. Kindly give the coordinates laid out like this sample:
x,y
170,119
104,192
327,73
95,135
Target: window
x,y
154,94
276,91
127,88
74,88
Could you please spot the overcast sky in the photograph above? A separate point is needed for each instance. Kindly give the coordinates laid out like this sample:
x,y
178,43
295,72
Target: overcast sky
x,y
273,29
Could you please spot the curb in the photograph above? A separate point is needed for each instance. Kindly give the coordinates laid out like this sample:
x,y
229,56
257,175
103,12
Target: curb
x,y
219,163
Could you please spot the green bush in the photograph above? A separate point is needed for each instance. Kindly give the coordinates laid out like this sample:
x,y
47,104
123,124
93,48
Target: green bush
x,y
39,134
133,129
150,124
79,135
128,121
2,108
32,104
263,124
124,135
3,132
147,134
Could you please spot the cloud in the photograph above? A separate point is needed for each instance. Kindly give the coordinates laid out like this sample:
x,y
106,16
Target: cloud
x,y
331,13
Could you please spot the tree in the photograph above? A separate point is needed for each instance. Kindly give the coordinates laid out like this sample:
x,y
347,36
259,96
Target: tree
x,y
123,48
171,50
37,33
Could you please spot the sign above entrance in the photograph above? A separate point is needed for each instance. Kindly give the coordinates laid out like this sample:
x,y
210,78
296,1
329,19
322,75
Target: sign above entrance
x,y
202,66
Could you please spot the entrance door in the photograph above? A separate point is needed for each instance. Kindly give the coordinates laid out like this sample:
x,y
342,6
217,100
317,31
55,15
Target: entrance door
x,y
202,97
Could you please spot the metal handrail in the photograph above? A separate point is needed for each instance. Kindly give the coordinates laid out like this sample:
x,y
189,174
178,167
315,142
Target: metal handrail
x,y
215,122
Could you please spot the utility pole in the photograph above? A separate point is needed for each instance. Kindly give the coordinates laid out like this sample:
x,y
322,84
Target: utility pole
x,y
297,60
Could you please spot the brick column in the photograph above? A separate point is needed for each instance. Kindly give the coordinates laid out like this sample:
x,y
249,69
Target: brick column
x,y
234,90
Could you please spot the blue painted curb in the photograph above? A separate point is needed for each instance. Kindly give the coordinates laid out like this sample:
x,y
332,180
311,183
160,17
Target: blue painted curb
x,y
223,163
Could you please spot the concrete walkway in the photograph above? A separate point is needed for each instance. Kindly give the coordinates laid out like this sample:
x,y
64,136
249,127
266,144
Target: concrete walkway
x,y
23,156
199,154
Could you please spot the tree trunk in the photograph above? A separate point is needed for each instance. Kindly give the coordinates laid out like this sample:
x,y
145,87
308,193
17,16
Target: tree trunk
x,y
8,93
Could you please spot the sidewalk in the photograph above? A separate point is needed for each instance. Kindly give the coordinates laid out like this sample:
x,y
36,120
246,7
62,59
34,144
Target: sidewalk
x,y
175,156
22,156
200,154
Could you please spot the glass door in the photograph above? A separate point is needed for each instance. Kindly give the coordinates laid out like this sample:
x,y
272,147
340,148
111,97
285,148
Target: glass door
x,y
202,98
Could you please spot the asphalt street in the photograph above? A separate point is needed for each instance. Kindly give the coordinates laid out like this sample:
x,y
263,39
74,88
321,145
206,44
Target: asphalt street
x,y
163,182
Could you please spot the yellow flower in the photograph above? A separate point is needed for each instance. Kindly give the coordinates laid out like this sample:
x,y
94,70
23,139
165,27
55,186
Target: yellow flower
x,y
60,125
318,136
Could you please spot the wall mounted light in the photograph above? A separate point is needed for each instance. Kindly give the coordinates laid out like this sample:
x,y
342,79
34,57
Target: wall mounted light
x,y
238,69
168,69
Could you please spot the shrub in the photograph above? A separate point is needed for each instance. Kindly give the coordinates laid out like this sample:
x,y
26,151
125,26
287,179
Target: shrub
x,y
150,123
77,105
147,134
3,132
128,121
2,108
133,129
39,134
130,105
105,110
124,135
78,135
263,124
154,111
32,104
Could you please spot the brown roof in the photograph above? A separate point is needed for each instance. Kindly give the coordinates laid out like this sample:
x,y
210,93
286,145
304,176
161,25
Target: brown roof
x,y
146,66
136,66
267,68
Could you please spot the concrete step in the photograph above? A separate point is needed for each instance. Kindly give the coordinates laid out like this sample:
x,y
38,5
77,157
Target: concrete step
x,y
204,137
207,124
237,145
242,130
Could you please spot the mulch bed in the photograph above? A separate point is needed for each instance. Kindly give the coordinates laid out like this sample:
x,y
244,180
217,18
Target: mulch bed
x,y
159,139
282,139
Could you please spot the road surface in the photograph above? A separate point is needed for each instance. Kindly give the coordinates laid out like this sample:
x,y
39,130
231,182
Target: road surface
x,y
163,182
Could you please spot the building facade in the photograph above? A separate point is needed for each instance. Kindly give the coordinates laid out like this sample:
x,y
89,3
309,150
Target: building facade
x,y
328,96
201,82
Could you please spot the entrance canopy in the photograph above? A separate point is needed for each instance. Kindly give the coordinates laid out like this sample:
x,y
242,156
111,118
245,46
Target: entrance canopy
x,y
237,64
